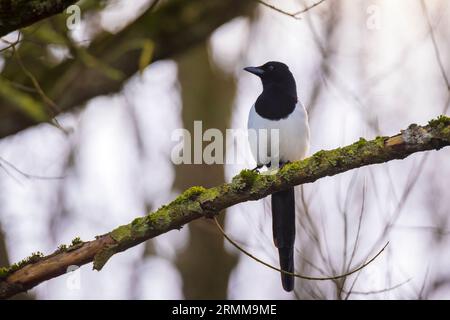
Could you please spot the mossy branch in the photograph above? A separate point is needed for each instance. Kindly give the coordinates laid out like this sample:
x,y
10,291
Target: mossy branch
x,y
16,14
198,202
110,59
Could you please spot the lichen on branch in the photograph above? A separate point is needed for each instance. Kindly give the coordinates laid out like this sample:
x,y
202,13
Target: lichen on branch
x,y
198,202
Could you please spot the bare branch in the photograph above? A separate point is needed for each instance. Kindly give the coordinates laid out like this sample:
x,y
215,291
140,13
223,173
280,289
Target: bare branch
x,y
308,8
198,202
277,9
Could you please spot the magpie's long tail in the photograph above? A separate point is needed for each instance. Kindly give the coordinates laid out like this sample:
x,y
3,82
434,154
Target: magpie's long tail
x,y
283,225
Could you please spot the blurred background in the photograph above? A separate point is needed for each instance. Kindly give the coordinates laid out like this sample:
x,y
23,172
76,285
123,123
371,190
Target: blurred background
x,y
134,71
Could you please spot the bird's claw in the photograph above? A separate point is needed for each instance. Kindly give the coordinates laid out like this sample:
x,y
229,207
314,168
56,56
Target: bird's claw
x,y
257,168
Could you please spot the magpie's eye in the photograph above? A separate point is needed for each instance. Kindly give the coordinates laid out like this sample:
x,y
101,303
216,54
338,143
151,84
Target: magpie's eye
x,y
270,68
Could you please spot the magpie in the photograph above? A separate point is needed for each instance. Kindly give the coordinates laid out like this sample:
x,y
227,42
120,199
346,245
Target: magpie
x,y
278,107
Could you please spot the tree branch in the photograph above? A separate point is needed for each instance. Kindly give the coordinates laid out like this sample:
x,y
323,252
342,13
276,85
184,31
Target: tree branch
x,y
111,59
16,14
198,202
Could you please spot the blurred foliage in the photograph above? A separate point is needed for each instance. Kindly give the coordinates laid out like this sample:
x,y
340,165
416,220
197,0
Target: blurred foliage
x,y
99,65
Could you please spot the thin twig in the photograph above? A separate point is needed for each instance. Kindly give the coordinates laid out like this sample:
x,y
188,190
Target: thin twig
x,y
381,290
277,9
294,15
308,8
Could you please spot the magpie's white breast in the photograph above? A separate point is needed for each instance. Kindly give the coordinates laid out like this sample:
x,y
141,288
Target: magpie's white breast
x,y
293,133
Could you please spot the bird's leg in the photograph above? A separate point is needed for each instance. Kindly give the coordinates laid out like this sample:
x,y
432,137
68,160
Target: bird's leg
x,y
268,165
256,169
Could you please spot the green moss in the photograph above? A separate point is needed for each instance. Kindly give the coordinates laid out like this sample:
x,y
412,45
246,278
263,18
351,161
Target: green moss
x,y
319,154
75,244
446,132
161,218
4,272
205,201
362,149
286,172
361,142
121,233
76,241
137,221
440,121
380,141
441,126
249,176
244,180
326,160
190,194
187,201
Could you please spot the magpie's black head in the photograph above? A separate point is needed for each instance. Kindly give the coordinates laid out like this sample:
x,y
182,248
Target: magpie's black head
x,y
275,73
279,95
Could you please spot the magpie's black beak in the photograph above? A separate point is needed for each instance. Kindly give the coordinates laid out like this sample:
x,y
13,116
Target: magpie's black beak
x,y
255,70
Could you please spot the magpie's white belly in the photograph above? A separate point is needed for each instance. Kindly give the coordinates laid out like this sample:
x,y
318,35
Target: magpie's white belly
x,y
293,133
